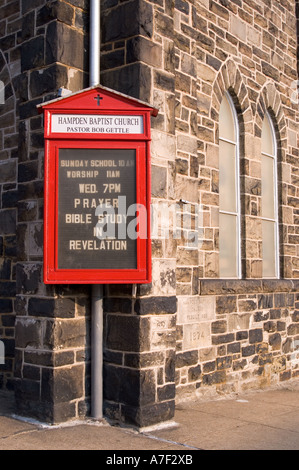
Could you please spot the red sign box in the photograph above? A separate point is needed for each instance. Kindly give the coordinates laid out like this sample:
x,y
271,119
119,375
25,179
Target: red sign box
x,y
97,188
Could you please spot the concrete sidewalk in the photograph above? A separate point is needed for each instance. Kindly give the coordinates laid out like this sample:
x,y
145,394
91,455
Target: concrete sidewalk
x,y
262,420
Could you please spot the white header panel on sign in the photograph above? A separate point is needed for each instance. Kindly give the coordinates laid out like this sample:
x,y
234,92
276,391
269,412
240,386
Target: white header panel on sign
x,y
96,124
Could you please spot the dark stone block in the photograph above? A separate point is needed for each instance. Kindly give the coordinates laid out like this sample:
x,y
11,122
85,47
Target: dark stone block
x,y
28,109
270,326
293,329
219,326
295,316
5,268
39,358
248,351
265,301
182,6
31,190
112,59
54,10
226,304
129,386
27,211
127,20
7,42
62,384
28,278
32,53
31,372
126,333
167,392
28,5
21,249
27,389
156,305
112,379
170,366
117,358
187,358
28,23
132,80
144,360
10,9
28,333
23,140
261,316
7,289
265,359
48,80
61,42
10,246
6,306
8,171
37,140
41,307
286,375
226,338
275,341
8,221
217,377
223,362
275,313
255,336
7,120
194,373
9,199
148,415
164,81
233,348
27,171
141,49
270,71
209,367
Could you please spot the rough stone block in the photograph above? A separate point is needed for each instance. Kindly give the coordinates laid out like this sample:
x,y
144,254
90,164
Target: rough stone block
x,y
32,53
256,336
119,335
62,384
127,21
8,171
8,221
151,305
141,49
28,333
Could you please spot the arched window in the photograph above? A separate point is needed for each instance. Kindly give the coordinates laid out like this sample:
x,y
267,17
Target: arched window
x,y
269,201
229,191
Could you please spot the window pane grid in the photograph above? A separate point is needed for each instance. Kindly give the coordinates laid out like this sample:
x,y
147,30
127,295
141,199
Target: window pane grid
x,y
229,192
269,201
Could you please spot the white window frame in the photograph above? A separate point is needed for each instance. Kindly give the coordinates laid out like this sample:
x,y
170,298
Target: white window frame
x,y
275,186
237,214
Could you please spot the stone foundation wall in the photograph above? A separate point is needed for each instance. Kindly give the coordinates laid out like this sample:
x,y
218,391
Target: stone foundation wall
x,y
237,335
